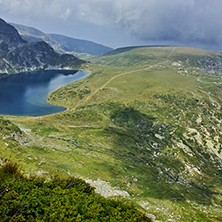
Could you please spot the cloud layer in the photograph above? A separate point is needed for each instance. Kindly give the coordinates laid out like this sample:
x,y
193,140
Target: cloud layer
x,y
159,20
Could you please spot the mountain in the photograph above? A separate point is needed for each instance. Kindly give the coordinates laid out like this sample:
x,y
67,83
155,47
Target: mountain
x,y
34,35
17,55
62,43
9,38
81,46
144,126
208,61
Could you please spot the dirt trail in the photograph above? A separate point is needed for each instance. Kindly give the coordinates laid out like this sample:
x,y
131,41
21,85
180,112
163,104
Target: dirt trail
x,y
122,74
114,77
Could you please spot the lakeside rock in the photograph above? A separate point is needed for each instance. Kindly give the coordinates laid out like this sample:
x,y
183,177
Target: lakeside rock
x,y
17,55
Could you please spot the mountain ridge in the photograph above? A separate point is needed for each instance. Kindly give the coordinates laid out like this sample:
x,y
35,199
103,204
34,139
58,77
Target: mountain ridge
x,y
147,122
62,43
17,55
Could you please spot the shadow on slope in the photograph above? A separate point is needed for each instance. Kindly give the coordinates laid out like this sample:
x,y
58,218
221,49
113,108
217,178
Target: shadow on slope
x,y
146,148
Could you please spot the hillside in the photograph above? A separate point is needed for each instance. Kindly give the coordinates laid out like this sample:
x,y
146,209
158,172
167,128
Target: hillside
x,y
9,38
81,46
61,43
17,55
70,199
145,125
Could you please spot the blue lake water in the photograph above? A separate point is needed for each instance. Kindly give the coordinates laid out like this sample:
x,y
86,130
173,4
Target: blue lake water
x,y
25,94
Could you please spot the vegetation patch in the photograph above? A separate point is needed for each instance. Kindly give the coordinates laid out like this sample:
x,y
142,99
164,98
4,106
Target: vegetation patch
x,y
146,121
33,199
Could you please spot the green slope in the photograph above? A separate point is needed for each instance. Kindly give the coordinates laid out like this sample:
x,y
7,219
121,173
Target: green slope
x,y
147,121
33,199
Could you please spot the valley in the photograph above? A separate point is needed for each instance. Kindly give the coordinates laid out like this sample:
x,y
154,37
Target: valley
x,y
144,127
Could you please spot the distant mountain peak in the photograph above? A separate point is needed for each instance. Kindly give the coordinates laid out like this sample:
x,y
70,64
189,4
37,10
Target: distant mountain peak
x,y
79,45
26,30
17,55
62,43
9,34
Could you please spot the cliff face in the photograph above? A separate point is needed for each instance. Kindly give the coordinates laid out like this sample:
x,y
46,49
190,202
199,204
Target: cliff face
x,y
9,34
39,55
17,55
9,38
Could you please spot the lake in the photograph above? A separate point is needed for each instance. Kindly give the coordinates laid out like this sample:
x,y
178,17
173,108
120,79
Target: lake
x,y
25,94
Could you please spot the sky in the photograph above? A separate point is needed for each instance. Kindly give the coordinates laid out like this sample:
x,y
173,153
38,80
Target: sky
x,y
120,23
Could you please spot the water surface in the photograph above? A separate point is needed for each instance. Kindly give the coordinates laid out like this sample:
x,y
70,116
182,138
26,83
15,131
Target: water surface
x,y
25,94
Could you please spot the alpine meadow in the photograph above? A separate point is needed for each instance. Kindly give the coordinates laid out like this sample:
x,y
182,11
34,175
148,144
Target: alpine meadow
x,y
144,129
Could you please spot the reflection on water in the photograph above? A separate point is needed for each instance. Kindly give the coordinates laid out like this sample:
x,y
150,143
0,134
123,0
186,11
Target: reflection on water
x,y
25,94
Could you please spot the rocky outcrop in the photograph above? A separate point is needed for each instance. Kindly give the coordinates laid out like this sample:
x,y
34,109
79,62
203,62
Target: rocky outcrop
x,y
211,64
9,34
9,38
17,55
39,55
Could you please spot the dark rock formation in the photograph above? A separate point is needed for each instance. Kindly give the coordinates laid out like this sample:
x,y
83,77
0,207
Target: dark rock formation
x,y
17,55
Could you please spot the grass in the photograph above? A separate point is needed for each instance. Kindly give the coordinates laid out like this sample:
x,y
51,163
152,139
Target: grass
x,y
142,123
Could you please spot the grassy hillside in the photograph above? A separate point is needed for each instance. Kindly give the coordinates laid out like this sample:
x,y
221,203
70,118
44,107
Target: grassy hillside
x,y
33,199
146,125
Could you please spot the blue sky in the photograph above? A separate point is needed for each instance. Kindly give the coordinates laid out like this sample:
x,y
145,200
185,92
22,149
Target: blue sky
x,y
119,23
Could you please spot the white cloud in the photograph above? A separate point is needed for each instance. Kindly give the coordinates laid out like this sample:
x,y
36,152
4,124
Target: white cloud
x,y
173,20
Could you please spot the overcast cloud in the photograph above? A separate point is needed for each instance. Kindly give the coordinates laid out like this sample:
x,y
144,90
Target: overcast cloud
x,y
174,21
